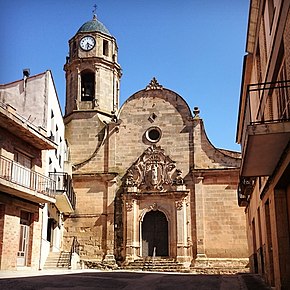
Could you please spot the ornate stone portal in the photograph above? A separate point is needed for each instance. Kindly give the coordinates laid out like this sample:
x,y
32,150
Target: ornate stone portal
x,y
153,183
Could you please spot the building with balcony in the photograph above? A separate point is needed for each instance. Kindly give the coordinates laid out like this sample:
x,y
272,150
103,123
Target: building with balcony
x,y
263,131
35,98
24,189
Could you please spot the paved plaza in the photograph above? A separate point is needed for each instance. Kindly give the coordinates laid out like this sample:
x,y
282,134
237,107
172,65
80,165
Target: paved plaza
x,y
102,280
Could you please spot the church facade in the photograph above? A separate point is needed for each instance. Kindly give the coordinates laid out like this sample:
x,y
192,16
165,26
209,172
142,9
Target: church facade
x,y
148,181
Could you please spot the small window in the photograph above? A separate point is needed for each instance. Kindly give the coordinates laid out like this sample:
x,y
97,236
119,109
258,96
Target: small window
x,y
152,117
153,134
56,133
105,47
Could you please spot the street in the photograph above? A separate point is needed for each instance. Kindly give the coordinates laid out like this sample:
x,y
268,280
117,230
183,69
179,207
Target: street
x,y
127,281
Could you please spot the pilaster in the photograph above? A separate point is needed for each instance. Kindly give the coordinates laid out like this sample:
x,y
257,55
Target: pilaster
x,y
183,247
200,230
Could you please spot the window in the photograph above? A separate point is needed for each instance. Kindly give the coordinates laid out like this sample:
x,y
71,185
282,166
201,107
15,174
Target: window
x,y
153,134
56,133
51,136
22,159
21,173
87,86
105,47
152,117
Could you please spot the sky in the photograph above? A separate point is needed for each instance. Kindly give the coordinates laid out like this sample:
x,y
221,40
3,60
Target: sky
x,y
193,47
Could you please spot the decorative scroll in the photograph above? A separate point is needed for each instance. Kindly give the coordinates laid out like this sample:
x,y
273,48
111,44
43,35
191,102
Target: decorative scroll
x,y
178,205
178,179
153,171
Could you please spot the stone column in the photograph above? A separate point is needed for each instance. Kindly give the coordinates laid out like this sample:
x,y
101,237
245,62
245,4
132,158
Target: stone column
x,y
110,237
182,233
129,215
97,84
135,242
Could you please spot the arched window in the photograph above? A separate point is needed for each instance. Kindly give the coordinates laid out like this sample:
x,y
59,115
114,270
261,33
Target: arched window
x,y
87,86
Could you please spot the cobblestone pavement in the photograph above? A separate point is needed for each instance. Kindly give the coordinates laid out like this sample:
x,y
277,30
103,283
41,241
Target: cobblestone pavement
x,y
126,280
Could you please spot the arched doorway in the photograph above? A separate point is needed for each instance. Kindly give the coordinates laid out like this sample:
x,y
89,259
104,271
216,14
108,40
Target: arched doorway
x,y
154,234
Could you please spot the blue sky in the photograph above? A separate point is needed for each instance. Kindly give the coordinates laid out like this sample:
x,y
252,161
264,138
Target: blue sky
x,y
193,47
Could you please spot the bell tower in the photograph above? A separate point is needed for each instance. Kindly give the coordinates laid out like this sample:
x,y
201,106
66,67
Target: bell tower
x,y
92,70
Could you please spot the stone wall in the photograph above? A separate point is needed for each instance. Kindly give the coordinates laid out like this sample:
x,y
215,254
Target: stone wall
x,y
203,218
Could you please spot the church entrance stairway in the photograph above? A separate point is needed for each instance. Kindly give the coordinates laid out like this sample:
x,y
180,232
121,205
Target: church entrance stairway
x,y
157,264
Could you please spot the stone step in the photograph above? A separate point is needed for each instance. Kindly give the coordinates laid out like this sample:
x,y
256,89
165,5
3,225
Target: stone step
x,y
57,260
220,266
159,264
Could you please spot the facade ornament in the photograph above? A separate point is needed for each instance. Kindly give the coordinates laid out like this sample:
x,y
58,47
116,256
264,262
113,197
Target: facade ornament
x,y
129,179
95,103
178,204
152,171
154,206
196,112
154,85
129,205
178,179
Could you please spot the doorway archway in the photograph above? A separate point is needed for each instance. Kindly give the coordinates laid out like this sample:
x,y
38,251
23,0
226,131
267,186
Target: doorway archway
x,y
154,234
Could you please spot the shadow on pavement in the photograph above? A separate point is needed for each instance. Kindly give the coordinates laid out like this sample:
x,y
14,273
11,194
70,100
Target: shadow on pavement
x,y
134,280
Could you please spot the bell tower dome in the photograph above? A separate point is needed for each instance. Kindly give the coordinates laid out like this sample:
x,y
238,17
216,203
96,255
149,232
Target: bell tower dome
x,y
92,70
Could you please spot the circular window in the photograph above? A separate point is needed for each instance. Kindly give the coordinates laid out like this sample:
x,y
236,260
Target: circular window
x,y
153,134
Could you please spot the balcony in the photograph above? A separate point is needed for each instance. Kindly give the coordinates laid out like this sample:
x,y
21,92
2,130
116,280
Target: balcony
x,y
266,132
65,195
22,182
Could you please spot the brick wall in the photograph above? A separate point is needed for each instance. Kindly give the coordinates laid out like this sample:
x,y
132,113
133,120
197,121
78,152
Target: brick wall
x,y
11,230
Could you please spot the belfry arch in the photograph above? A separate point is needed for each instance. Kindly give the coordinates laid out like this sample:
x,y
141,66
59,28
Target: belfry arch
x,y
87,85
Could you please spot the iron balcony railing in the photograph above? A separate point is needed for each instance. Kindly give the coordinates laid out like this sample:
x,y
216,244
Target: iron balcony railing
x,y
268,102
63,183
20,175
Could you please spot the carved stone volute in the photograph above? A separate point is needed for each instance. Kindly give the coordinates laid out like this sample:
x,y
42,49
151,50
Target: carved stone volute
x,y
152,171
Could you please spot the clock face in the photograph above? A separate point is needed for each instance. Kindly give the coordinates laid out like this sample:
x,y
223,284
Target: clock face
x,y
87,43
